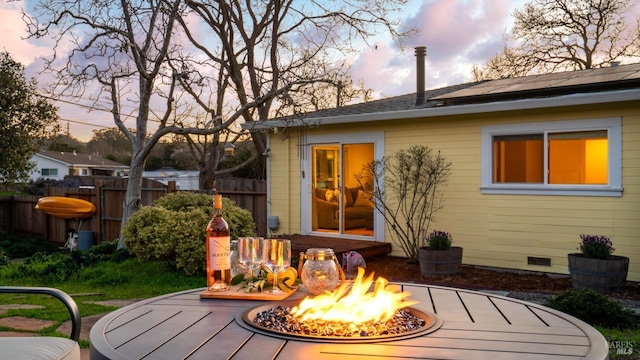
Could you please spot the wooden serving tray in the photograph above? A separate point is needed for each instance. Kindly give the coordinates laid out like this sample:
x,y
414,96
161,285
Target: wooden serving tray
x,y
237,292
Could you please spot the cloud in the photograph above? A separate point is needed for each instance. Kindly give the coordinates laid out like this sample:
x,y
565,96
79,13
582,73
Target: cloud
x,y
13,32
458,34
380,64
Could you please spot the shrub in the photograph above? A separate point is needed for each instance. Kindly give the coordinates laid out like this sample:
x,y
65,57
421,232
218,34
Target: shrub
x,y
4,260
173,229
406,191
184,201
15,247
596,246
240,220
191,252
439,240
593,308
36,187
57,267
147,233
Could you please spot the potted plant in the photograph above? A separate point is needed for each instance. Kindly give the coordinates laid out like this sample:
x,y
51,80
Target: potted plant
x,y
438,257
595,268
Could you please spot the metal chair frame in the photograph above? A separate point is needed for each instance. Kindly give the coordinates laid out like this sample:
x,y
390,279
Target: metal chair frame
x,y
65,298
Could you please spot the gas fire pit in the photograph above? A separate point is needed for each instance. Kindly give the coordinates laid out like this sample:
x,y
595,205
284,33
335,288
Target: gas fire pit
x,y
277,320
362,311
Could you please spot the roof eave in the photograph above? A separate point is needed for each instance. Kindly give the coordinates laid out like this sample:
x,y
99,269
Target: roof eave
x,y
498,106
53,159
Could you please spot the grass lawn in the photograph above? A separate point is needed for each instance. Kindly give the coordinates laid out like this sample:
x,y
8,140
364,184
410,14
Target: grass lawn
x,y
130,279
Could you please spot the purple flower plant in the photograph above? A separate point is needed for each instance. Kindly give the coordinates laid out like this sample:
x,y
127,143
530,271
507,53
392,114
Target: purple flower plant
x,y
596,246
439,240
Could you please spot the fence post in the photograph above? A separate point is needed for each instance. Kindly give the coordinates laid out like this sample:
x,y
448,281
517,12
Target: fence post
x,y
98,227
171,186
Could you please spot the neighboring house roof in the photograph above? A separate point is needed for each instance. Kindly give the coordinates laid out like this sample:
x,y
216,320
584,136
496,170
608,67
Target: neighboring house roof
x,y
581,87
75,159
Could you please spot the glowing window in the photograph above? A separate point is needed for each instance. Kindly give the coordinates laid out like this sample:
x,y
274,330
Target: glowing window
x,y
518,159
578,157
574,158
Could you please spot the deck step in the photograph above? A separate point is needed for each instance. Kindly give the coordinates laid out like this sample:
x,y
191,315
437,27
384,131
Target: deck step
x,y
300,243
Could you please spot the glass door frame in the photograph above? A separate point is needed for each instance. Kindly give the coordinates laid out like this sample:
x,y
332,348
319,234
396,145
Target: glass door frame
x,y
306,202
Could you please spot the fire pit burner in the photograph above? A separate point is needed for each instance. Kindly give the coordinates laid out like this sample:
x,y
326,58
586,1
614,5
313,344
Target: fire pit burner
x,y
274,319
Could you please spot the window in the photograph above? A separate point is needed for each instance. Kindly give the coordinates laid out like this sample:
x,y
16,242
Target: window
x,y
553,158
49,172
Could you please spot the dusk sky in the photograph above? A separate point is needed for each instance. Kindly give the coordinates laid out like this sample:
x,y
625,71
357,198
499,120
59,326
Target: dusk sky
x,y
457,33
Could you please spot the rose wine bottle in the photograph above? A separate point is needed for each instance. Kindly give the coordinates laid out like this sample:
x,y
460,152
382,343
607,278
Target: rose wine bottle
x,y
218,249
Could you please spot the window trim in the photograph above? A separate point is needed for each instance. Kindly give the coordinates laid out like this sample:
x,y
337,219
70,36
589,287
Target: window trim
x,y
613,126
49,172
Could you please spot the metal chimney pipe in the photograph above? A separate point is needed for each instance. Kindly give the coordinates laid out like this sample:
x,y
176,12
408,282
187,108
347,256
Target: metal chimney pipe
x,y
421,54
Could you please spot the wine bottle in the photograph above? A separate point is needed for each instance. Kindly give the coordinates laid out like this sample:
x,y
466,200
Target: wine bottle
x,y
218,249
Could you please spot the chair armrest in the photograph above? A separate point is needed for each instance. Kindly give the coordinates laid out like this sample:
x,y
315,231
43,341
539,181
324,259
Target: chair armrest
x,y
67,300
327,207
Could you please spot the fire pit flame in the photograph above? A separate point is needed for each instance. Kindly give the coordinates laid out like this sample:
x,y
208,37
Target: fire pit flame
x,y
353,303
350,314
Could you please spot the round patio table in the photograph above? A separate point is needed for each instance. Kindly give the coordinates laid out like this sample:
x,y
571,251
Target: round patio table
x,y
472,325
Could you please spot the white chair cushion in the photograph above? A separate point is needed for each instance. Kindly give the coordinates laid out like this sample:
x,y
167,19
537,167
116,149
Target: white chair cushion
x,y
27,348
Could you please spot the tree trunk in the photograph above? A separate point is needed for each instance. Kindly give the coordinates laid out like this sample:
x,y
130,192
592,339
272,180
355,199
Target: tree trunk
x,y
132,196
206,178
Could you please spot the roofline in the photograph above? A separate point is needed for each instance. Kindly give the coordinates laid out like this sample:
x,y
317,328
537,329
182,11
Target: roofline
x,y
53,159
81,164
498,106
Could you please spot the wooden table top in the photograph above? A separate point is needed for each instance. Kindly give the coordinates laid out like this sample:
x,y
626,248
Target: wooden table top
x,y
474,325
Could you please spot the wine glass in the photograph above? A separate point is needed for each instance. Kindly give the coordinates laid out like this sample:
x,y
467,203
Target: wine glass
x,y
249,256
276,256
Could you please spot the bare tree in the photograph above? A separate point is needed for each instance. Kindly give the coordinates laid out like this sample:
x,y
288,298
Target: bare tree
x,y
123,47
227,55
267,53
323,95
507,64
406,190
564,35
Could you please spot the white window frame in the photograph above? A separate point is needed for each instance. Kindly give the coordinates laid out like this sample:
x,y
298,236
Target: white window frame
x,y
612,125
49,172
377,138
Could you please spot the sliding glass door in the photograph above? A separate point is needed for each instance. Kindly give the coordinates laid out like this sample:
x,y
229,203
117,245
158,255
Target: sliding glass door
x,y
339,195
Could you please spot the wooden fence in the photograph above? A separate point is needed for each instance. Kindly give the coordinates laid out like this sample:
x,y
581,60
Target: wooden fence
x,y
19,216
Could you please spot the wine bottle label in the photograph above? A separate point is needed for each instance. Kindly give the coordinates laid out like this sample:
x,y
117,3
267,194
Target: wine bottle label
x,y
219,252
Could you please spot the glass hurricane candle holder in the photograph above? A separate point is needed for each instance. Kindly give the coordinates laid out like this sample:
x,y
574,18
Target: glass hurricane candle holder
x,y
321,271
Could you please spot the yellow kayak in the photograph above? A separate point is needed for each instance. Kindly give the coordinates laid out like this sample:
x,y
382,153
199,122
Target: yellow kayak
x,y
66,207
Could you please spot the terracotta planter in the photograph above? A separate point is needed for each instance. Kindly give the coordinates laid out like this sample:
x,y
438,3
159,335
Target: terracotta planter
x,y
440,262
601,275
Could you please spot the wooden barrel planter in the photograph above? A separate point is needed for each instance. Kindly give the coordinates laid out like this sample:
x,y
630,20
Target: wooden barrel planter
x,y
601,275
440,262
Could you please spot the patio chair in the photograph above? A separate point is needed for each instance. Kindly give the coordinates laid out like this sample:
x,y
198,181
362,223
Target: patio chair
x,y
44,347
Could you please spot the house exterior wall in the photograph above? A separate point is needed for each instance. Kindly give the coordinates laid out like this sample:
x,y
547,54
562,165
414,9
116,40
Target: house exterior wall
x,y
81,171
494,230
284,182
45,163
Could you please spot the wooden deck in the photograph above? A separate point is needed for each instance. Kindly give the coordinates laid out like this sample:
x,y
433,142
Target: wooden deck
x,y
300,243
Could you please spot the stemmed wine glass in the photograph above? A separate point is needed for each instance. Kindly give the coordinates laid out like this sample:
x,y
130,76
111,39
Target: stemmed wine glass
x,y
249,255
276,256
